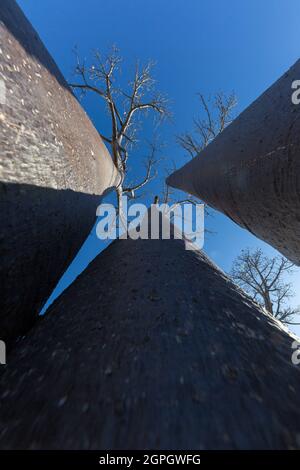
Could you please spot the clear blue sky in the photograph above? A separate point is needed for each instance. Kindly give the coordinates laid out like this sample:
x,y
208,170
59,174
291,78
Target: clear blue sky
x,y
199,46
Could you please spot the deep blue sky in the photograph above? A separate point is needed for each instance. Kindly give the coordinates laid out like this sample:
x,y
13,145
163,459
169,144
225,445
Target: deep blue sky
x,y
199,46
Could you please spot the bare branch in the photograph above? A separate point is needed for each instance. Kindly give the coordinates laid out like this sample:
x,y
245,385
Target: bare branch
x,y
149,174
264,280
126,106
217,115
106,139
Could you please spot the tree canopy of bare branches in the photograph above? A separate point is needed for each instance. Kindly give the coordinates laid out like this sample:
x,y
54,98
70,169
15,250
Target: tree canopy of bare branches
x,y
126,106
217,114
263,279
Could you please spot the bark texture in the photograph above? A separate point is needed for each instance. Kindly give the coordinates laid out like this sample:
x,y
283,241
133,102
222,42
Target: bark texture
x,y
53,168
152,347
251,171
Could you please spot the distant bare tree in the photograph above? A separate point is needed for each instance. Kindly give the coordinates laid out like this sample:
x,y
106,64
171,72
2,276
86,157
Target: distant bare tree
x,y
217,114
127,106
263,279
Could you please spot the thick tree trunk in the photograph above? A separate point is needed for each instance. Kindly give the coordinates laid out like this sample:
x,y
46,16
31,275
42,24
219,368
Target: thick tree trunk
x,y
152,347
53,168
251,171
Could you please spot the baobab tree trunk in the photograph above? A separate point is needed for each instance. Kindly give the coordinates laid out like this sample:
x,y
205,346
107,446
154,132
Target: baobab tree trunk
x,y
251,171
152,347
53,169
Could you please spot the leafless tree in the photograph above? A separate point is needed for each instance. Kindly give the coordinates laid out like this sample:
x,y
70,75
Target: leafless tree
x,y
263,279
217,114
127,106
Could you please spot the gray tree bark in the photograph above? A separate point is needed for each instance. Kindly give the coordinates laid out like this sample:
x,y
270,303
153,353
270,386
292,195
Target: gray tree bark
x,y
53,168
251,171
152,347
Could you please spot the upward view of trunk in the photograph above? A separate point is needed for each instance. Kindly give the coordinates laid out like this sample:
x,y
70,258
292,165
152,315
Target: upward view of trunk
x,y
251,171
152,347
53,168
